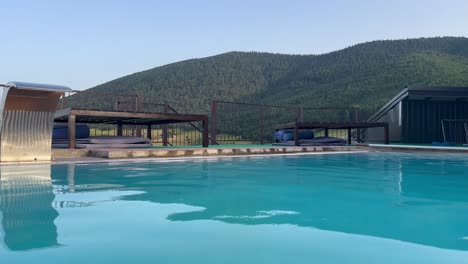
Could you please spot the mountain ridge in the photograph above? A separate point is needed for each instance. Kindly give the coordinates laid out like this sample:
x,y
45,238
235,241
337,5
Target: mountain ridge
x,y
364,75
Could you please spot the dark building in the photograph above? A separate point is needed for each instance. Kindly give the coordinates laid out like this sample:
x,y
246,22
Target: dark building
x,y
422,115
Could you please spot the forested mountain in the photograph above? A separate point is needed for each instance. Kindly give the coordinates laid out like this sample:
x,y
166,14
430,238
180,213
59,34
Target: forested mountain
x,y
364,75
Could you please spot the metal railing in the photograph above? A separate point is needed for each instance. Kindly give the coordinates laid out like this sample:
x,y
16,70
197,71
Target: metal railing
x,y
179,134
233,122
92,100
230,122
455,131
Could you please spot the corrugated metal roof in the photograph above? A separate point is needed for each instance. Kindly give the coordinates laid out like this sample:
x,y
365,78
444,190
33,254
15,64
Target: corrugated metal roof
x,y
39,86
437,88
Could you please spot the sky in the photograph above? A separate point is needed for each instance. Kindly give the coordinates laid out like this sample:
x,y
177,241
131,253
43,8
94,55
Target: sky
x,y
84,43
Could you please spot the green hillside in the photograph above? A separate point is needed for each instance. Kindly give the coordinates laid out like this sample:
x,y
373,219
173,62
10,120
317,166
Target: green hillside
x,y
364,75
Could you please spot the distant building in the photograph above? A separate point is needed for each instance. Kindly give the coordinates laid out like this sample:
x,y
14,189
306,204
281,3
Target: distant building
x,y
422,115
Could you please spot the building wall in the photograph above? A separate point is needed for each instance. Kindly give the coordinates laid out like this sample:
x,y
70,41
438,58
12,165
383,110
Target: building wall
x,y
392,117
421,119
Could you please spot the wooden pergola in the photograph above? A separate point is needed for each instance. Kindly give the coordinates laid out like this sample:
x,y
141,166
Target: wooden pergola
x,y
73,116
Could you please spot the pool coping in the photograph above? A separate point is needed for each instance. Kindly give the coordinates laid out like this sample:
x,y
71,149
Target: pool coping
x,y
412,148
205,152
177,152
83,156
170,159
201,158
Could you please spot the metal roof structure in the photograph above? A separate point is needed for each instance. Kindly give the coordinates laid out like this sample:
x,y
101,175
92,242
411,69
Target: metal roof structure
x,y
26,120
38,86
439,93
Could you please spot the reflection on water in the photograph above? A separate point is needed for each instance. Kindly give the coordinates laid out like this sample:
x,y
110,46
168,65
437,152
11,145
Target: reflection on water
x,y
27,215
417,199
353,194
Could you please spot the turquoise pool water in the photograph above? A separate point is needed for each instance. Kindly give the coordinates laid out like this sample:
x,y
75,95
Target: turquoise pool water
x,y
341,208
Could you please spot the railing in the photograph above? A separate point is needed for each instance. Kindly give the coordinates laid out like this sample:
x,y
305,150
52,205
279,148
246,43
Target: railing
x,y
233,122
455,131
180,134
91,100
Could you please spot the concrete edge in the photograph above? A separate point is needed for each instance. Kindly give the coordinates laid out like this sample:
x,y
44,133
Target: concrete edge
x,y
418,149
164,153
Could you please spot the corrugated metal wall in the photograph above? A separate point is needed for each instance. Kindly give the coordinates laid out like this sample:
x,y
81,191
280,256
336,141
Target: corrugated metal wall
x,y
26,135
421,119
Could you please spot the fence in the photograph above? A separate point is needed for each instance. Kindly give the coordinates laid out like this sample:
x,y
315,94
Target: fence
x,y
179,134
91,100
256,123
231,122
455,131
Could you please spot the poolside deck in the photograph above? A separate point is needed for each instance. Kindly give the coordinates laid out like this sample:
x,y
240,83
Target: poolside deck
x,y
105,155
73,116
59,154
239,150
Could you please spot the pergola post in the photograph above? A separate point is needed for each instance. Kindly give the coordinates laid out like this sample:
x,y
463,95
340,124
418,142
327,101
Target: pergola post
x,y
71,131
205,133
148,132
165,131
262,119
119,129
349,136
139,109
296,134
214,109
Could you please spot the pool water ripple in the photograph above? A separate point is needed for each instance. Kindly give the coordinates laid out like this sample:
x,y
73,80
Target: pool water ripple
x,y
344,208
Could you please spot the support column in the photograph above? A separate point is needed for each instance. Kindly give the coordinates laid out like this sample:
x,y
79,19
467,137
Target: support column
x,y
261,125
148,132
296,134
71,131
139,109
349,136
326,132
214,109
205,133
165,136
165,132
119,129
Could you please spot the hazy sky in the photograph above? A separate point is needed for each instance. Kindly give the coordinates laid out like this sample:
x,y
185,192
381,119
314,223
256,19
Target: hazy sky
x,y
83,43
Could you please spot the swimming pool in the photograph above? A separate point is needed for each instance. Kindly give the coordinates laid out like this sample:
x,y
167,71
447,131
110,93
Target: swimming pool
x,y
339,208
